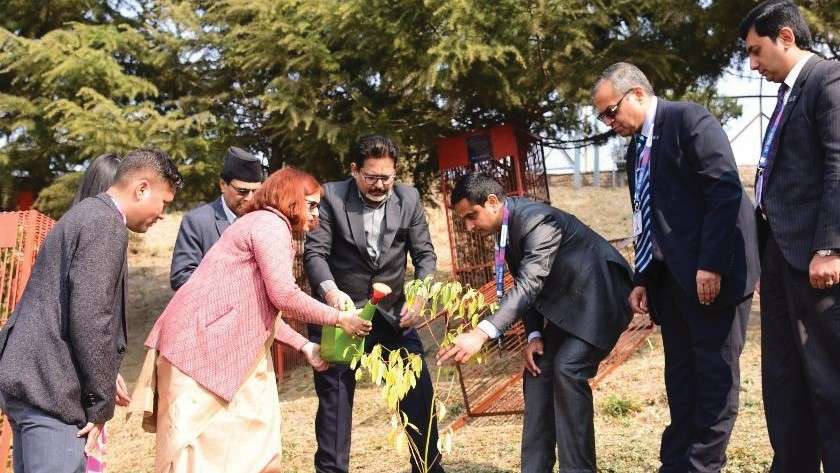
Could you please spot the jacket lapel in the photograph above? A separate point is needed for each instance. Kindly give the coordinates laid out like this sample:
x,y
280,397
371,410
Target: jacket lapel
x,y
355,209
658,123
221,219
392,220
793,98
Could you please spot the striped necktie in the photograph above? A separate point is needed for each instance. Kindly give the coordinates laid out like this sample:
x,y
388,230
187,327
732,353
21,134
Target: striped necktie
x,y
643,241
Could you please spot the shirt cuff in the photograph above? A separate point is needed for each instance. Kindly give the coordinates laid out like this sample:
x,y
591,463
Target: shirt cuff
x,y
326,286
533,335
490,329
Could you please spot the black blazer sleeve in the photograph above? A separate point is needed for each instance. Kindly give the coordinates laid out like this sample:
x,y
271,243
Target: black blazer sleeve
x,y
188,252
318,245
541,236
93,280
828,127
420,248
706,144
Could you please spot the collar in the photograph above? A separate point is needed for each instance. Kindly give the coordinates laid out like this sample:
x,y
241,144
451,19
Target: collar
x,y
379,205
231,217
119,209
650,115
790,80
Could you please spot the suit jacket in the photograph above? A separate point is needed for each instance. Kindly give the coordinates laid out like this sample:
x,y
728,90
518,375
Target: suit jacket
x,y
200,229
802,192
337,249
701,215
216,325
63,345
563,272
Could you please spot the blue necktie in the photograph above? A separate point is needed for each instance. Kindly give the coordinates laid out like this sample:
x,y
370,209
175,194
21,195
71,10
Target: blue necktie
x,y
644,241
767,148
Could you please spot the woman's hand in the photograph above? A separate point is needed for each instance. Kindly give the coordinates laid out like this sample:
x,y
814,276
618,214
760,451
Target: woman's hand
x,y
312,352
350,322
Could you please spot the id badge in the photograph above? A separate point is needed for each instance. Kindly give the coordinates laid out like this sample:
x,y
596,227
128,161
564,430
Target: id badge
x,y
637,223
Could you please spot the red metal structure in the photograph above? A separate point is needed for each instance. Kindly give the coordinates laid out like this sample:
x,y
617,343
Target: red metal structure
x,y
516,159
21,235
495,387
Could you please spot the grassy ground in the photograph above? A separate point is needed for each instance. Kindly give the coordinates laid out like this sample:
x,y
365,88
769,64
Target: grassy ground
x,y
631,404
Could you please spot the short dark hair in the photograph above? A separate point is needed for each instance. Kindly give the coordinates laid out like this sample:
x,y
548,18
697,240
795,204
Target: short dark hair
x,y
475,187
373,146
153,160
770,16
98,177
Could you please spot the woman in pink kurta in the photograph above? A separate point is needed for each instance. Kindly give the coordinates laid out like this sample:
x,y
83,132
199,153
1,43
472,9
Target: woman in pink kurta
x,y
217,404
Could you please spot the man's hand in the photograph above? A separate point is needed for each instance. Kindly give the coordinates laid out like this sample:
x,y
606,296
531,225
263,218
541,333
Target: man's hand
x,y
708,286
312,352
338,299
351,323
409,317
638,300
824,271
123,398
465,346
534,347
92,431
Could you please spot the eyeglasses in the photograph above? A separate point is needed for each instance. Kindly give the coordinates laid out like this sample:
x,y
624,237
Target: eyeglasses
x,y
243,192
372,180
313,205
611,111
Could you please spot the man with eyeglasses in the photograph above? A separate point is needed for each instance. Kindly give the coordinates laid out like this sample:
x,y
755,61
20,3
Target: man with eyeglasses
x,y
242,175
369,225
696,258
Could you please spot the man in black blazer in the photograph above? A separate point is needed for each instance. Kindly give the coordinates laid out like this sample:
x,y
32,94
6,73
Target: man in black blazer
x,y
798,214
242,176
571,286
368,227
62,346
696,258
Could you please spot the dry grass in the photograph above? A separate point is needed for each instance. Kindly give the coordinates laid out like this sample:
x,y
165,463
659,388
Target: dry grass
x,y
627,442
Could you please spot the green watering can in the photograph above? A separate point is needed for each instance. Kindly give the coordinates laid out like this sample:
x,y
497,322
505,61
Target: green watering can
x,y
336,343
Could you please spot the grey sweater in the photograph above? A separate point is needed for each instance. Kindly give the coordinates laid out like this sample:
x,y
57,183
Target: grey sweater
x,y
62,347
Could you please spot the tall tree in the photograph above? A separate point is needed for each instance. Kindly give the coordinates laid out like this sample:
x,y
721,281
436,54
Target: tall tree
x,y
298,81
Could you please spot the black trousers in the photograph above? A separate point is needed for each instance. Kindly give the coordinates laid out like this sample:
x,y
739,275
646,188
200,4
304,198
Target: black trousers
x,y
333,421
702,375
800,367
558,406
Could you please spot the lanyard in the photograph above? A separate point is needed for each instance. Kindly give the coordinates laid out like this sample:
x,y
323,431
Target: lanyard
x,y
501,245
768,141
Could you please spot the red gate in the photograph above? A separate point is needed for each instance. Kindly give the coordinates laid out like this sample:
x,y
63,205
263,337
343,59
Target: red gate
x,y
21,235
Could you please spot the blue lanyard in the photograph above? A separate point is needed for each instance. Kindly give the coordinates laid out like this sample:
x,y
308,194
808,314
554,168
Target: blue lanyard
x,y
501,245
768,141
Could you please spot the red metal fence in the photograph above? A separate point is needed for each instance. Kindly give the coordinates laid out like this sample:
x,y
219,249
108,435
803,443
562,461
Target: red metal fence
x,y
21,235
495,387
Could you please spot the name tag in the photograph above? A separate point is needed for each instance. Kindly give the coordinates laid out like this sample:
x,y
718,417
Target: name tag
x,y
637,223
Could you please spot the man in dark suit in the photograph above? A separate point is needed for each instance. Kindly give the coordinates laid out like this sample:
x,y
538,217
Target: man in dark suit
x,y
798,214
242,175
62,346
696,258
571,286
368,227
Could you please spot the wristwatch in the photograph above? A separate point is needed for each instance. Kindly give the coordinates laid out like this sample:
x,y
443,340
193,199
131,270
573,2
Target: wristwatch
x,y
828,252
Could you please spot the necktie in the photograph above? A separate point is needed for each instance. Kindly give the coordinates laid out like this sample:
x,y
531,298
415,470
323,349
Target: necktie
x,y
641,197
767,150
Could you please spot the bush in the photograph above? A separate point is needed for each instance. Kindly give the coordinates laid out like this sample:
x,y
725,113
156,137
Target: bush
x,y
618,406
56,198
